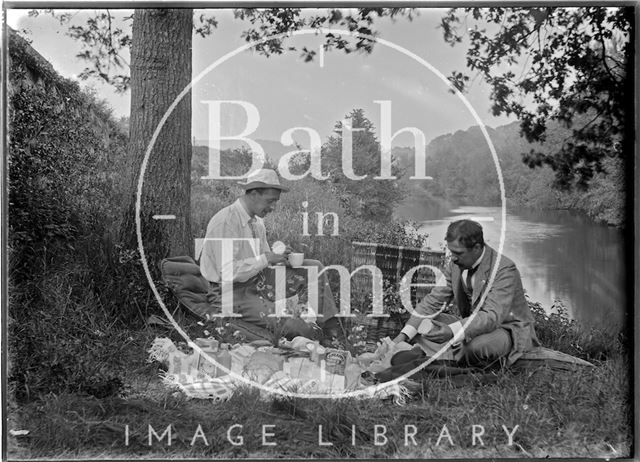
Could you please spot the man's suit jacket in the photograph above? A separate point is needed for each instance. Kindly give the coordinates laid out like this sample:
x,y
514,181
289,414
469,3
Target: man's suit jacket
x,y
505,305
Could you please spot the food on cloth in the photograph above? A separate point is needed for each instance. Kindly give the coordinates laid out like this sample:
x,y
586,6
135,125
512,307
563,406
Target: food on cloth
x,y
366,358
297,343
385,352
315,346
262,365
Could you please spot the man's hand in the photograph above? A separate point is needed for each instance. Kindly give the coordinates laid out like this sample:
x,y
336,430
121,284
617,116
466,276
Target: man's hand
x,y
274,258
440,332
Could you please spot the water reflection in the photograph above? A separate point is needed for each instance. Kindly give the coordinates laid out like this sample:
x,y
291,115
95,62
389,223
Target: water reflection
x,y
560,255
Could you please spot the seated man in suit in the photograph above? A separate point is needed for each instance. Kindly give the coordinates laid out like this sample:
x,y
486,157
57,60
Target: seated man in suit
x,y
250,268
501,327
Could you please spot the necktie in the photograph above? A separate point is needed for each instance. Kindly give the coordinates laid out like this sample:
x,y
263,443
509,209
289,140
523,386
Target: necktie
x,y
470,273
254,233
465,308
252,227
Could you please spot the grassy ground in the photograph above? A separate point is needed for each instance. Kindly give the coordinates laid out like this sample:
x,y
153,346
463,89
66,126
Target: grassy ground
x,y
584,413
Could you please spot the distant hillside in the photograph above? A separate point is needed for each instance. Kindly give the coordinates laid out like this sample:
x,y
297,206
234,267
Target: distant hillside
x,y
464,173
273,149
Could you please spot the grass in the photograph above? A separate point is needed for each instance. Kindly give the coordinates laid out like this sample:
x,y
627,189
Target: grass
x,y
585,413
567,415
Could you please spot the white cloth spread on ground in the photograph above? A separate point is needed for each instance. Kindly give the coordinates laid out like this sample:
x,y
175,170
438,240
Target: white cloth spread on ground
x,y
297,375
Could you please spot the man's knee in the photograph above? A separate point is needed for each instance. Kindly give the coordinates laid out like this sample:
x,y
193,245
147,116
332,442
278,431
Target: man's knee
x,y
475,353
486,348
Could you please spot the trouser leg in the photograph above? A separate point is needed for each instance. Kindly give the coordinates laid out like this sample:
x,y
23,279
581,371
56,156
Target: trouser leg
x,y
481,350
254,308
487,348
298,281
326,304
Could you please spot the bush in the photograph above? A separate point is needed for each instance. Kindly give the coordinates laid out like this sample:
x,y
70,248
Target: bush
x,y
557,331
64,164
61,141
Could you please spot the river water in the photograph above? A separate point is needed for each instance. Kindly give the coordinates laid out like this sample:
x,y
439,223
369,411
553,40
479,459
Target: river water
x,y
560,255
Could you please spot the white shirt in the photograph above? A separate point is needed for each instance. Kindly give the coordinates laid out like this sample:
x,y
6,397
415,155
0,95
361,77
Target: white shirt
x,y
232,222
473,276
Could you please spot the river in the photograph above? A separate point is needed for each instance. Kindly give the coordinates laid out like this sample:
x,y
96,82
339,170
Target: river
x,y
560,255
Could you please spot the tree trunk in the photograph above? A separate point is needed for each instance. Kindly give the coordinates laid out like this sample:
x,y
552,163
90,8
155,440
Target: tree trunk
x,y
160,70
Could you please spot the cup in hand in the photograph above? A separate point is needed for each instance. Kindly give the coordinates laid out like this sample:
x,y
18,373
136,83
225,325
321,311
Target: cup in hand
x,y
296,259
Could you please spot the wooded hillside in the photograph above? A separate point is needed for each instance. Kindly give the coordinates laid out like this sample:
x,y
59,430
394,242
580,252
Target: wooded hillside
x,y
464,174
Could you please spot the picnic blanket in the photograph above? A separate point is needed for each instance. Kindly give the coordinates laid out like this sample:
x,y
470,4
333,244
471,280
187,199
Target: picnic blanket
x,y
182,373
541,356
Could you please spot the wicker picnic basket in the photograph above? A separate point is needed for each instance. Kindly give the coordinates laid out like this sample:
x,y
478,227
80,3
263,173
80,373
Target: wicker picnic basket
x,y
394,262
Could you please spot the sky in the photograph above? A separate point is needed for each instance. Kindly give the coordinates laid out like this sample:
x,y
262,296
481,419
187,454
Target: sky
x,y
286,92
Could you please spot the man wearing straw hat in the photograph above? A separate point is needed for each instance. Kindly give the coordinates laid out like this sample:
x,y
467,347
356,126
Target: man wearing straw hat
x,y
250,270
502,327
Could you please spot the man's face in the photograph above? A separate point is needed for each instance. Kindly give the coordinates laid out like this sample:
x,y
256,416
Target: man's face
x,y
266,202
462,256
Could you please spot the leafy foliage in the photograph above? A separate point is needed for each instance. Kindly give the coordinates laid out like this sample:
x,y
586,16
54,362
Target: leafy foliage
x,y
463,173
575,63
556,330
106,37
64,153
369,198
59,138
276,21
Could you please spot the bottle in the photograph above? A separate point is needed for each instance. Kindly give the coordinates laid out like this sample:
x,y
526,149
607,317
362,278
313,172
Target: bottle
x,y
207,343
209,347
224,359
352,373
317,353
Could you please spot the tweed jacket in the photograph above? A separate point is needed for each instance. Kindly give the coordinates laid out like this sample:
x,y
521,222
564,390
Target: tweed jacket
x,y
505,305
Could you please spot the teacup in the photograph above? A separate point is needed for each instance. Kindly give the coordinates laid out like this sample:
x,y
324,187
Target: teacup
x,y
296,259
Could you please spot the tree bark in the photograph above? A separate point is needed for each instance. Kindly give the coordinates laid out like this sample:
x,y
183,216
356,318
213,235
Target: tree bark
x,y
160,69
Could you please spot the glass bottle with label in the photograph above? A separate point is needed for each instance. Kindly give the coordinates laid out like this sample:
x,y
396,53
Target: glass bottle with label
x,y
224,359
352,373
209,348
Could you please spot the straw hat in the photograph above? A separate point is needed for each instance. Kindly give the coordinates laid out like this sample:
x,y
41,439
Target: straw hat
x,y
263,178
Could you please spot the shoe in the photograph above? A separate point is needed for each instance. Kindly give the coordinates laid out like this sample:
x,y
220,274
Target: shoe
x,y
333,328
407,356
